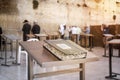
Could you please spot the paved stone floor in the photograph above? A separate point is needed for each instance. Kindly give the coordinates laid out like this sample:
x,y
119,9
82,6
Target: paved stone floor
x,y
94,70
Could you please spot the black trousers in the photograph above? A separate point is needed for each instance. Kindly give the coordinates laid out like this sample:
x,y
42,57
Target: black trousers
x,y
0,41
25,37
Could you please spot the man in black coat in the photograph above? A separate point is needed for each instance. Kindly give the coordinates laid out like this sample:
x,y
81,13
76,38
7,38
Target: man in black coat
x,y
0,30
26,29
0,35
35,28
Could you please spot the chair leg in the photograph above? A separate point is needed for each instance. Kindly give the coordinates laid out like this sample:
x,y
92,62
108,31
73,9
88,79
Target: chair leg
x,y
26,58
19,54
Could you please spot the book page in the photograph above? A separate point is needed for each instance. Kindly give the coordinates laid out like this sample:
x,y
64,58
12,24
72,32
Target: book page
x,y
63,46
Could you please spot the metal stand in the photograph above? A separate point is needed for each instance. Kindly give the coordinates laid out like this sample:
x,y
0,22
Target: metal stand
x,y
111,75
5,64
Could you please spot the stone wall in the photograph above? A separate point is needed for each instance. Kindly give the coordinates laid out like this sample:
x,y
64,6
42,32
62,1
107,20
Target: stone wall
x,y
51,13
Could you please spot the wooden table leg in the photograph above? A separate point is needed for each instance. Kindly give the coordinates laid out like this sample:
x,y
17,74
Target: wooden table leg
x,y
30,68
82,73
105,48
90,42
86,42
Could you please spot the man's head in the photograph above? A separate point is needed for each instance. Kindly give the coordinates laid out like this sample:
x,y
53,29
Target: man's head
x,y
25,21
35,22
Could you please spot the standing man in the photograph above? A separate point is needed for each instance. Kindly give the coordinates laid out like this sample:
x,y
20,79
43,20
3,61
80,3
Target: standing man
x,y
35,28
105,30
87,29
61,30
74,33
0,30
66,32
26,29
0,36
78,35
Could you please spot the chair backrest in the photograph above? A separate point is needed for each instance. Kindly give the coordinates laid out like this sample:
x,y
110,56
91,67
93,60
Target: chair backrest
x,y
32,39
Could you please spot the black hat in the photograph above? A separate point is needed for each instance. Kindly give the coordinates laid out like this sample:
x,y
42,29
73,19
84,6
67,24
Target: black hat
x,y
25,21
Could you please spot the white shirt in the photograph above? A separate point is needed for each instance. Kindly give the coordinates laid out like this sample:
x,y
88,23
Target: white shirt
x,y
74,30
78,30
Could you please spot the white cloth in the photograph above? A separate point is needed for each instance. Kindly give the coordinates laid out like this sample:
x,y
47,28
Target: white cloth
x,y
74,30
61,29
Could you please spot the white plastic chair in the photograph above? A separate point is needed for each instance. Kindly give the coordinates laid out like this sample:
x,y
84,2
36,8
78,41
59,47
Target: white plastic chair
x,y
32,39
23,51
